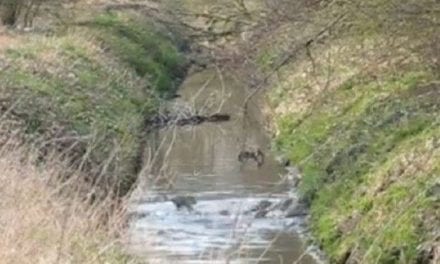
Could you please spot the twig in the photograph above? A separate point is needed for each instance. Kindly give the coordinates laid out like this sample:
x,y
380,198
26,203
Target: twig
x,y
289,57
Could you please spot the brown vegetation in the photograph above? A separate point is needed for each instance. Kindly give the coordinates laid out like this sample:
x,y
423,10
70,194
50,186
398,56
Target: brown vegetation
x,y
45,219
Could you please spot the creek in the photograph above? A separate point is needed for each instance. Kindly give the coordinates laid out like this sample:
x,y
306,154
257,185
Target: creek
x,y
201,161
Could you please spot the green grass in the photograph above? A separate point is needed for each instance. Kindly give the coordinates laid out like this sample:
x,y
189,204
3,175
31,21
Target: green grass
x,y
95,85
143,48
352,137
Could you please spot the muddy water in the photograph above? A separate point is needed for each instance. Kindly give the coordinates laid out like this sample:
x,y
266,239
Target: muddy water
x,y
202,161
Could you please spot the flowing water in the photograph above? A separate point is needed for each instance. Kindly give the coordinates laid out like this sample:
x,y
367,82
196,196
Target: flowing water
x,y
202,161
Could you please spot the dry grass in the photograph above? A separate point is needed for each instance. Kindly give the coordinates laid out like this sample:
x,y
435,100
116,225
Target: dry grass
x,y
46,220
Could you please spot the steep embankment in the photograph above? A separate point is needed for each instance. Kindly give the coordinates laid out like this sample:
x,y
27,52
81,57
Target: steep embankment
x,y
358,111
73,99
87,92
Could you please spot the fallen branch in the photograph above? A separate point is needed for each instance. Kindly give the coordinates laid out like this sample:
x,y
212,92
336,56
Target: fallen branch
x,y
161,121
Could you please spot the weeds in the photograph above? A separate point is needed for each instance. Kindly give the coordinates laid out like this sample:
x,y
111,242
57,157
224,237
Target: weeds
x,y
46,219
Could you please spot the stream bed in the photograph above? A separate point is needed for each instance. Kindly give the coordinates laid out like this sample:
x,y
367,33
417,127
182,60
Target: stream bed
x,y
201,161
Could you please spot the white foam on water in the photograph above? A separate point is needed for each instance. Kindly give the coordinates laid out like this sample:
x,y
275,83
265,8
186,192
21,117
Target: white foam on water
x,y
181,234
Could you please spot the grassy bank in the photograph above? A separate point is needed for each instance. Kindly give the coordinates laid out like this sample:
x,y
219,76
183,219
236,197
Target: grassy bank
x,y
359,114
89,90
77,96
369,162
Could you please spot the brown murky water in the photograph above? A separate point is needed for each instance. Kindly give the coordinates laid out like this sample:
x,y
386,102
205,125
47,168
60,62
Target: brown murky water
x,y
202,161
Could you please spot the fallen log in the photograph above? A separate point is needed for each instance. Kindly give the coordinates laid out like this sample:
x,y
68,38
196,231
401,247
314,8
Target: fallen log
x,y
162,121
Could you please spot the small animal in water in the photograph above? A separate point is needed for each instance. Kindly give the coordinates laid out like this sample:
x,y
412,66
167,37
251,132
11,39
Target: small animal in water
x,y
184,202
256,155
